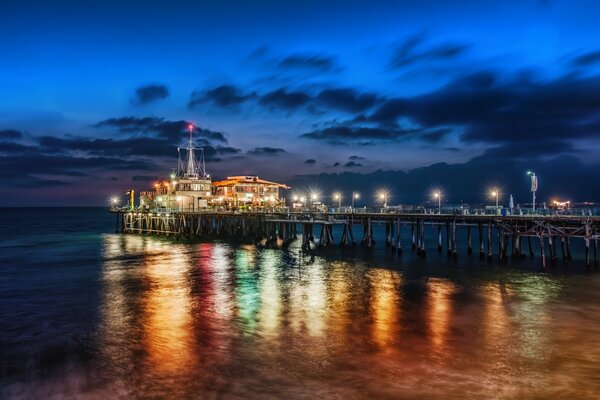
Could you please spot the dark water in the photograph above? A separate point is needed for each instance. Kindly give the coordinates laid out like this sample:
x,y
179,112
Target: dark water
x,y
88,314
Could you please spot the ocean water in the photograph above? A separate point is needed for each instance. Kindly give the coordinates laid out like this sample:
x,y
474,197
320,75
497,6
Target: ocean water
x,y
89,314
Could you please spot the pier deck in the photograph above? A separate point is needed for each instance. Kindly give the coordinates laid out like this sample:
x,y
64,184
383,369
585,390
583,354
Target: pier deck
x,y
281,228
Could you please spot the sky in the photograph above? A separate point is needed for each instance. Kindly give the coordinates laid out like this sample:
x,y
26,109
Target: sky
x,y
404,96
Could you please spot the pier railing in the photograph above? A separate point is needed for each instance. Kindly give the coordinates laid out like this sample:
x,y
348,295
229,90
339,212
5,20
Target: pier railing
x,y
511,233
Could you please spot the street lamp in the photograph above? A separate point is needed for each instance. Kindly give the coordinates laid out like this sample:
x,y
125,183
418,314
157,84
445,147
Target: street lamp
x,y
114,201
384,197
495,193
438,196
338,196
314,197
534,186
355,195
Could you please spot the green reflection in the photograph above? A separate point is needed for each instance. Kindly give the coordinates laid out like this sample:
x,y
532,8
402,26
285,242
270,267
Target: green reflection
x,y
247,293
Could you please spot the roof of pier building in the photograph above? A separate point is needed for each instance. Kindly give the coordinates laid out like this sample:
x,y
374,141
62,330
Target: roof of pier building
x,y
235,180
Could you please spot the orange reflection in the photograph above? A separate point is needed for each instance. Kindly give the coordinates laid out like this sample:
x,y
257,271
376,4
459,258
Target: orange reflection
x,y
167,324
338,318
308,299
439,313
384,305
270,294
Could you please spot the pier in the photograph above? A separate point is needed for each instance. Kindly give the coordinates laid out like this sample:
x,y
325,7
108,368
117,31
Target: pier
x,y
488,235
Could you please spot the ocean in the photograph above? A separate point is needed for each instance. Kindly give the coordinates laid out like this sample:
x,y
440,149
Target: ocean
x,y
89,314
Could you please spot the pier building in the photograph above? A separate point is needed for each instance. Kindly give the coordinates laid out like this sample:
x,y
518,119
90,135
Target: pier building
x,y
247,191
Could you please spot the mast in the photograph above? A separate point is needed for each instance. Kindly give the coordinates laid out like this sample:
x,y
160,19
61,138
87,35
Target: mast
x,y
191,167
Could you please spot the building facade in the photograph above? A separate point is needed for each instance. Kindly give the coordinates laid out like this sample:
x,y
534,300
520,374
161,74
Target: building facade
x,y
247,191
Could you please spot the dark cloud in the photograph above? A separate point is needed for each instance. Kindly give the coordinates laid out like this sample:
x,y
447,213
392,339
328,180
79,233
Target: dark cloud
x,y
270,151
172,130
10,134
336,164
134,146
150,93
340,135
15,148
414,50
586,59
435,135
310,161
346,99
221,96
530,150
283,99
308,61
15,167
144,178
563,176
490,109
356,158
352,164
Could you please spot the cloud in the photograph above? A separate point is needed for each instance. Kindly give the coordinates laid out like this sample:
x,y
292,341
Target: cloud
x,y
336,164
134,146
10,134
355,158
283,99
488,109
144,178
563,176
268,151
413,51
310,161
342,134
172,130
150,93
222,96
352,164
347,99
586,59
319,62
15,148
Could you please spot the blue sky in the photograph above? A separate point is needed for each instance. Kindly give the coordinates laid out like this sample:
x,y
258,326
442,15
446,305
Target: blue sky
x,y
406,95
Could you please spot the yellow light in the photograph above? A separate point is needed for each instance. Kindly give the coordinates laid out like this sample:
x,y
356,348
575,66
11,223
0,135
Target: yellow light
x,y
179,198
356,195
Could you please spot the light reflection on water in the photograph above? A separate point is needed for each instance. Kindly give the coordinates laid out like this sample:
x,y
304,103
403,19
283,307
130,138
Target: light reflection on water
x,y
217,320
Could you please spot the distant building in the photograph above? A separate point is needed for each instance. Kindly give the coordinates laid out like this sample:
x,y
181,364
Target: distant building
x,y
247,190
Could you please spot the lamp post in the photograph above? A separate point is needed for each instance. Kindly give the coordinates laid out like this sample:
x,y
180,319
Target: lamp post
x,y
355,195
534,186
438,196
384,198
337,196
495,194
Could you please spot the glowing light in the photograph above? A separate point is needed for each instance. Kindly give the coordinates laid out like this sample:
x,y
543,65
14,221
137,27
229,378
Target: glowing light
x,y
302,199
179,198
357,195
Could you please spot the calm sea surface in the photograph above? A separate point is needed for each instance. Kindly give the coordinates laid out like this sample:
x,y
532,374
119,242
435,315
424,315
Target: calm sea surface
x,y
89,314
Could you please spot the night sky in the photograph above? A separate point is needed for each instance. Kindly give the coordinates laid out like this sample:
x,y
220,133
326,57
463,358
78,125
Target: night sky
x,y
331,95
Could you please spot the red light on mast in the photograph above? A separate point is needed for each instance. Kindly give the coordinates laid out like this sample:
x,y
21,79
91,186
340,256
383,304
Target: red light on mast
x,y
191,127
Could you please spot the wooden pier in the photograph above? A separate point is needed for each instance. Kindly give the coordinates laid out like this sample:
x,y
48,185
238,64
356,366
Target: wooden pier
x,y
517,236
